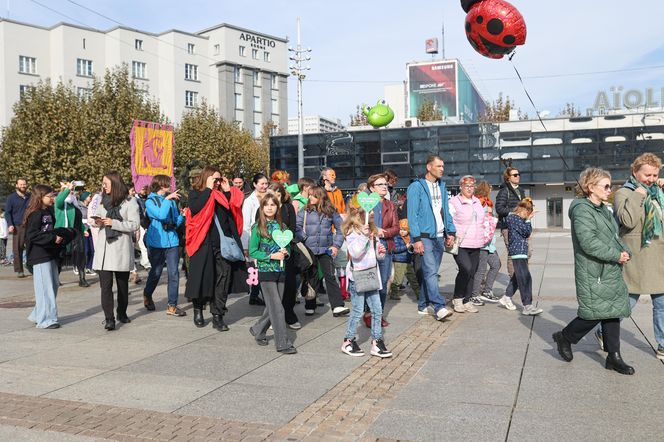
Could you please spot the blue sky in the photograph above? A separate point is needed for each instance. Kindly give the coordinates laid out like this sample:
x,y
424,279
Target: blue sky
x,y
360,46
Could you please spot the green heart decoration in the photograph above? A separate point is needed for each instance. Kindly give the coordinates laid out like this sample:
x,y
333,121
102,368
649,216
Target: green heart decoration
x,y
368,201
282,237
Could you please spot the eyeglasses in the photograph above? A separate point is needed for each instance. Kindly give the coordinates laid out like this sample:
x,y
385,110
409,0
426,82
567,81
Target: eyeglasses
x,y
380,184
469,186
515,174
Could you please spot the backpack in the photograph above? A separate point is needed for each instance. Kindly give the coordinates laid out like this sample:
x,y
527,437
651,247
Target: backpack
x,y
142,213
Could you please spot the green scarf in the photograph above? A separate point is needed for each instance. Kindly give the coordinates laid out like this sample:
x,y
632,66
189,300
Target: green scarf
x,y
652,222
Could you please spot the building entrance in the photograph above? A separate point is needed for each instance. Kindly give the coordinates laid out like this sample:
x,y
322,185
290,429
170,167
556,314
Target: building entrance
x,y
554,212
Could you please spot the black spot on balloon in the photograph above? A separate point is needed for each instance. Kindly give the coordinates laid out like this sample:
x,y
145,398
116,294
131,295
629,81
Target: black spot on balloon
x,y
495,26
479,19
468,27
509,39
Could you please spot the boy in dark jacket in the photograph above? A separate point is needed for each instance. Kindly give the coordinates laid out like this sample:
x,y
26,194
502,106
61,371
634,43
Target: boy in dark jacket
x,y
402,256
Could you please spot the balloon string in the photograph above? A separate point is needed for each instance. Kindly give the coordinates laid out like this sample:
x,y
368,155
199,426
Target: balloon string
x,y
537,111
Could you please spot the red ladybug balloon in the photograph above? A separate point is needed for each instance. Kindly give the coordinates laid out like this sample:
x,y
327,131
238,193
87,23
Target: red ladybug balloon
x,y
494,27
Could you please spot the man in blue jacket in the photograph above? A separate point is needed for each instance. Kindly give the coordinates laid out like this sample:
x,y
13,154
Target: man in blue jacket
x,y
163,242
17,202
431,229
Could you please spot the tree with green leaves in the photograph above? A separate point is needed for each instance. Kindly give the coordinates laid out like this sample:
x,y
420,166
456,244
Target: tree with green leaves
x,y
429,112
499,110
204,137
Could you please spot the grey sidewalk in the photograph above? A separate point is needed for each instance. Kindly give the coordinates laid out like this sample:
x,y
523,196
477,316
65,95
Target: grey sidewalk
x,y
495,376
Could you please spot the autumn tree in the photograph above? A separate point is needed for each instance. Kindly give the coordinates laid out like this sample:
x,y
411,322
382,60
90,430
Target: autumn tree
x,y
358,119
429,112
57,135
570,111
204,137
500,109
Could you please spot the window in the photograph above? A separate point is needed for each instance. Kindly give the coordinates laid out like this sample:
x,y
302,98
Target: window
x,y
22,89
27,65
257,130
274,81
243,51
191,72
237,74
139,69
256,78
257,103
266,56
190,98
83,67
238,101
275,106
217,49
138,45
190,48
254,54
84,93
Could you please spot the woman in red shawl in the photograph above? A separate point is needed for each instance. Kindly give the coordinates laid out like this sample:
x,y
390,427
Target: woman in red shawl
x,y
210,274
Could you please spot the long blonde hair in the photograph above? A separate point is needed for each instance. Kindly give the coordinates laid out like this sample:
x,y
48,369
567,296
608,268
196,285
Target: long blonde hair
x,y
355,219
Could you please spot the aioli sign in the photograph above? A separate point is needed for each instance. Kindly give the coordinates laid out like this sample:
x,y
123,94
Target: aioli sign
x,y
629,99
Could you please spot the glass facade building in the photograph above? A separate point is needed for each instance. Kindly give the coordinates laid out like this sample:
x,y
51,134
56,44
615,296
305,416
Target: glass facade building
x,y
555,155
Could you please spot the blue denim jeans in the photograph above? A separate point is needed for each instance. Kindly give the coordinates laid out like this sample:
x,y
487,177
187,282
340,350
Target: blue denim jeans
x,y
358,299
46,282
430,291
158,257
657,314
385,267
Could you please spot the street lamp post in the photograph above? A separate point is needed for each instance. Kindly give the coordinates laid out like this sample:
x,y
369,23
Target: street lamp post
x,y
298,56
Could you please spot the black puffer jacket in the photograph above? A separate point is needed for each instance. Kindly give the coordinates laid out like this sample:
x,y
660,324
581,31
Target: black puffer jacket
x,y
506,201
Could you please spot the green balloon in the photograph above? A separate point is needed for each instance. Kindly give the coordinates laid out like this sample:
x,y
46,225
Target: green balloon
x,y
379,115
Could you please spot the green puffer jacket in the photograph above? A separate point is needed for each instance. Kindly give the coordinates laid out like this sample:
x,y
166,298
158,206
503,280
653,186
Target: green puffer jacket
x,y
600,288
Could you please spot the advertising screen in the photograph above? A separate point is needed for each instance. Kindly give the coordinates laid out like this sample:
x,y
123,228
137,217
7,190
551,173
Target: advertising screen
x,y
471,104
435,82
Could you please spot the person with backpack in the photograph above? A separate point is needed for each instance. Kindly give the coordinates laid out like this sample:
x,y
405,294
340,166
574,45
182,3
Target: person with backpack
x,y
507,198
163,243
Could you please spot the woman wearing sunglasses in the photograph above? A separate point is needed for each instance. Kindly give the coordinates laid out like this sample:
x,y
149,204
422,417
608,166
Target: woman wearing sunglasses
x,y
509,195
599,257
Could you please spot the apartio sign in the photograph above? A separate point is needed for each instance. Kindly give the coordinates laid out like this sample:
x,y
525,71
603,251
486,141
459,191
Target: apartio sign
x,y
629,99
256,41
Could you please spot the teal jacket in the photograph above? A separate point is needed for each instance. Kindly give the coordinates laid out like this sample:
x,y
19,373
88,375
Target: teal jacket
x,y
421,221
165,218
600,288
65,214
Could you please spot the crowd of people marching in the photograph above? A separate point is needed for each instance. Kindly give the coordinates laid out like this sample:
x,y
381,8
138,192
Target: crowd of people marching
x,y
284,241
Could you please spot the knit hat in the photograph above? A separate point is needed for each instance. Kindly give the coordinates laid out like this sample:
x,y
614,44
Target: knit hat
x,y
85,196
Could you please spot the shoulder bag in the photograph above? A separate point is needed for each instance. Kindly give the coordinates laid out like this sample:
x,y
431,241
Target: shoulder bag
x,y
230,251
366,280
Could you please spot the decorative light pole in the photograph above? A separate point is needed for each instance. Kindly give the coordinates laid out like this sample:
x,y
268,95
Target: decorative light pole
x,y
298,55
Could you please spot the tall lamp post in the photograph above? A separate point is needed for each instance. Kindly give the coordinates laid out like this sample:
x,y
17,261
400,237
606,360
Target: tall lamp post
x,y
299,55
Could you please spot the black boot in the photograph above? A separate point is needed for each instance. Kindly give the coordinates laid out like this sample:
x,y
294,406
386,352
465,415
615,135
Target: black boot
x,y
81,279
614,362
564,346
198,317
218,323
110,324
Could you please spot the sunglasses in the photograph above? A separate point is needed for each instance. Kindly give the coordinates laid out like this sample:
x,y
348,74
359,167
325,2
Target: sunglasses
x,y
515,174
607,187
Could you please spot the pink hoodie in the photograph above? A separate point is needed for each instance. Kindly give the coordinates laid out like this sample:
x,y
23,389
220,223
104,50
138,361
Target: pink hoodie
x,y
468,217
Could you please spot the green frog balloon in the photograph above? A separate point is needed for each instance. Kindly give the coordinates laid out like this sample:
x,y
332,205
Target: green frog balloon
x,y
379,115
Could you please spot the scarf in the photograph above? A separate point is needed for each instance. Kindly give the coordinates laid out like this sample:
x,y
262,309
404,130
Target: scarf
x,y
112,212
486,201
652,222
198,225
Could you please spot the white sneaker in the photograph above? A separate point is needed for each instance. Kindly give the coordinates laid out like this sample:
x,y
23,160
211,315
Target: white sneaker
x,y
458,305
309,311
470,308
443,313
295,326
428,310
531,310
340,311
506,302
75,271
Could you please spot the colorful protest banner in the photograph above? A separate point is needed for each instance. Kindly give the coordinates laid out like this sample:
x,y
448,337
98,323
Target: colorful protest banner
x,y
152,152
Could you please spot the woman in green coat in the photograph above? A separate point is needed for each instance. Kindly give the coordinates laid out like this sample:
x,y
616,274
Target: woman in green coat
x,y
599,255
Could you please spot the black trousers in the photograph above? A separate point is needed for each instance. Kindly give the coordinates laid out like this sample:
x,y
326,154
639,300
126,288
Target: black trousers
x,y
18,245
326,264
578,328
290,292
467,260
106,284
222,283
521,280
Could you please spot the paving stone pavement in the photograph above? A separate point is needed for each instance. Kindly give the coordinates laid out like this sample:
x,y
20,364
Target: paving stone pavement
x,y
487,376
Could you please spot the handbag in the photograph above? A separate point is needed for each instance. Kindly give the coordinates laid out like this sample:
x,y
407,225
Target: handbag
x,y
366,280
302,257
230,251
